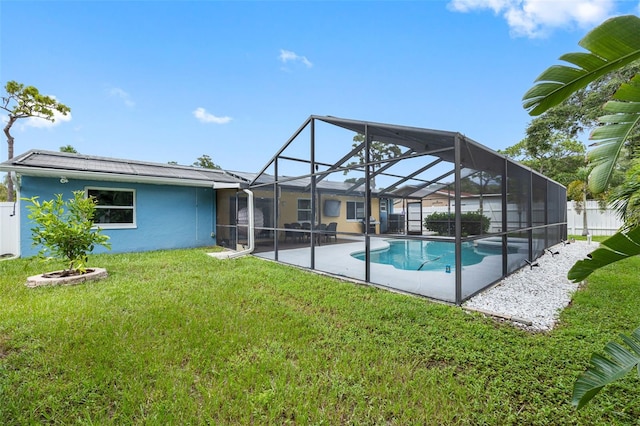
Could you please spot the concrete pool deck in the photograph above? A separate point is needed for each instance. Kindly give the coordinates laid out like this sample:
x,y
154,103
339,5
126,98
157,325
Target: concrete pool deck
x,y
336,259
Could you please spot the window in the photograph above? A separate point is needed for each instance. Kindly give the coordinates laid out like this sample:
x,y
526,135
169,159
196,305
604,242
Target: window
x,y
355,210
304,210
115,208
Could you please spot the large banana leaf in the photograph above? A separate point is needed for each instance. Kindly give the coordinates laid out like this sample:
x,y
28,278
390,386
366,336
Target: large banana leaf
x,y
610,138
617,247
604,371
612,45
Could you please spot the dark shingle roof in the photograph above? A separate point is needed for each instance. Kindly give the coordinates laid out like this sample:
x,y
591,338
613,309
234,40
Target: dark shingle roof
x,y
48,163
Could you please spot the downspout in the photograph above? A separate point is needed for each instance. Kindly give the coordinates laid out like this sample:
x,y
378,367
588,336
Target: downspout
x,y
250,232
16,189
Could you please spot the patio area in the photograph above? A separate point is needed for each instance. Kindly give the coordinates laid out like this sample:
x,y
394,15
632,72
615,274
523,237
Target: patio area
x,y
375,183
336,258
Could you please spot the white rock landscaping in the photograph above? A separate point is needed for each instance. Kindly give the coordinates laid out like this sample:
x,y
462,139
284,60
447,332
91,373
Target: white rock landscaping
x,y
537,294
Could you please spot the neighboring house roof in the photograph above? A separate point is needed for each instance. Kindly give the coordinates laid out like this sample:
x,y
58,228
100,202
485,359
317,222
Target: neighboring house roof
x,y
440,194
62,164
301,183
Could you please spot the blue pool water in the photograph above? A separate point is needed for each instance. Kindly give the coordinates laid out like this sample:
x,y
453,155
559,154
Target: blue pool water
x,y
414,255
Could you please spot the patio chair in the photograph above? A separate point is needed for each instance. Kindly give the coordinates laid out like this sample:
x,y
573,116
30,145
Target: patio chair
x,y
320,232
331,231
297,235
306,236
288,233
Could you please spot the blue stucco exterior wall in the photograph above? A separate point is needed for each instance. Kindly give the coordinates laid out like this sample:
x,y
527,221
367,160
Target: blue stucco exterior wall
x,y
167,216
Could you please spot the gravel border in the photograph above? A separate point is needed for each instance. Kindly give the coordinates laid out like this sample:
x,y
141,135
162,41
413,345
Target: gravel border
x,y
538,294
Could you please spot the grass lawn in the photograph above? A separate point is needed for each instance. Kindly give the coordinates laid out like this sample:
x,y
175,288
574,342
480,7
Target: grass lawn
x,y
176,337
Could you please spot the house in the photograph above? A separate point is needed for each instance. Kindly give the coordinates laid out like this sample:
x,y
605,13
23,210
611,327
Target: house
x,y
141,206
148,206
338,201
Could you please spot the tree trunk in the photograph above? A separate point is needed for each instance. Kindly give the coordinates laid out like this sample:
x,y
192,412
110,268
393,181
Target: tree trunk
x,y
7,128
585,228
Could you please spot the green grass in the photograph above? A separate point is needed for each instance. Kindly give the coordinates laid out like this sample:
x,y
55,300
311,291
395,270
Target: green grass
x,y
597,238
177,337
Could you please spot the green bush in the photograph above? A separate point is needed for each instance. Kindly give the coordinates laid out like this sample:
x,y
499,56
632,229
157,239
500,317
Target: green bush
x,y
64,229
473,223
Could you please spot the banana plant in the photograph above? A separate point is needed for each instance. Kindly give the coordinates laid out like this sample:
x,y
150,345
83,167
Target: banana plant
x,y
620,362
610,137
610,46
620,246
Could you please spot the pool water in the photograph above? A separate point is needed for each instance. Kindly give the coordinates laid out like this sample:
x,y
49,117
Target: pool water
x,y
416,255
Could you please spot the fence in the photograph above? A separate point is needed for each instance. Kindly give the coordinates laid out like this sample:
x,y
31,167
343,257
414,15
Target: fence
x,y
599,222
9,230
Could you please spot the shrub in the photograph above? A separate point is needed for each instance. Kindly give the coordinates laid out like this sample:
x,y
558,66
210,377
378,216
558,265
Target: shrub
x,y
64,229
473,223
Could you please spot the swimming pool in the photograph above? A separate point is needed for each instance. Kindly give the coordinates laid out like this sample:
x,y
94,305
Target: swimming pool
x,y
416,255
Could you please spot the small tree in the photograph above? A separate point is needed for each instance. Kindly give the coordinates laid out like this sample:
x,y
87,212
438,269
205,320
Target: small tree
x,y
578,192
206,163
558,158
68,148
378,151
23,101
65,230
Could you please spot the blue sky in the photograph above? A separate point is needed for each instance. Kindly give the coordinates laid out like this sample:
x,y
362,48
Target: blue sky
x,y
172,80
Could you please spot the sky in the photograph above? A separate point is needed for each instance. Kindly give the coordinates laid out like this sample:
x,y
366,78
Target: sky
x,y
168,81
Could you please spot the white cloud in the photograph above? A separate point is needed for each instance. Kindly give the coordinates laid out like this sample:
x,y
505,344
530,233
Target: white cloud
x,y
536,18
204,117
122,95
287,55
42,123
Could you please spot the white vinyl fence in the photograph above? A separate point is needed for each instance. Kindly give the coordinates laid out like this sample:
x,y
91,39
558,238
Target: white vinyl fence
x,y
9,229
599,222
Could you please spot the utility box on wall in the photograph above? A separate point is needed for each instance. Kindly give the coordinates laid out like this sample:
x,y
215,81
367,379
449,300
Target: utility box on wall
x,y
331,208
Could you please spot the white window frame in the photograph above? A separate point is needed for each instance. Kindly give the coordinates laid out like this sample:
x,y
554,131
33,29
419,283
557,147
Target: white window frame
x,y
298,210
356,219
114,225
